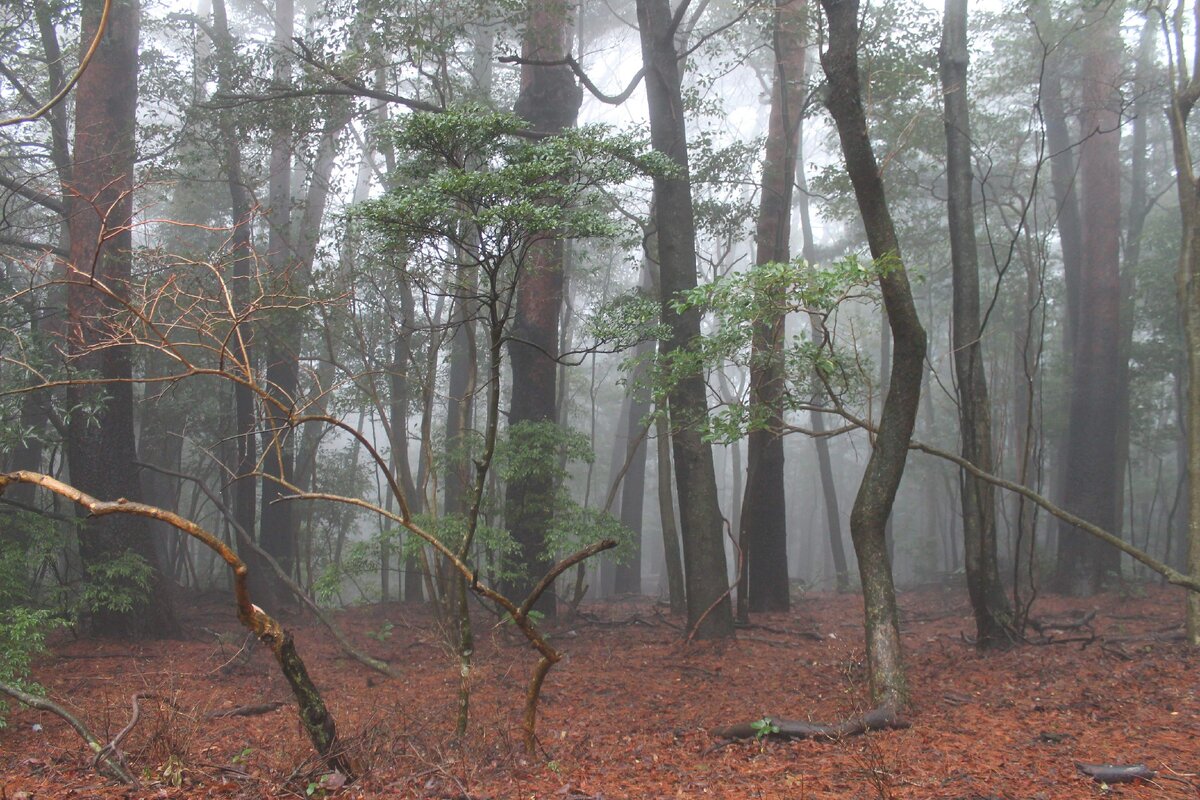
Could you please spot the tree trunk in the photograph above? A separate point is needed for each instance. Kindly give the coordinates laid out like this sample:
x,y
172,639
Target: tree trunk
x,y
764,508
278,529
833,515
992,615
100,445
1185,93
709,610
633,486
549,101
873,504
1091,480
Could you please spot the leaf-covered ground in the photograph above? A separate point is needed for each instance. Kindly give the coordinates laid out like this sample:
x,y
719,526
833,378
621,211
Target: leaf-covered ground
x,y
627,713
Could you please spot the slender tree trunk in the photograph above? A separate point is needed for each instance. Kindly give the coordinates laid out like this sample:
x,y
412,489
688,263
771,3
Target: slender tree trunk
x,y
873,504
710,613
833,514
633,486
992,615
1091,480
764,507
1185,93
100,446
278,529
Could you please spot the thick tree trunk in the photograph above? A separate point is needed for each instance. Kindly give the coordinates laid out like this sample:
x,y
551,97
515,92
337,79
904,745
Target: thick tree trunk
x,y
100,445
764,508
549,100
1091,480
873,504
992,614
709,610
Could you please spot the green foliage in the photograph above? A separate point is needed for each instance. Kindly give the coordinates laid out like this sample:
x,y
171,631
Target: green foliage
x,y
739,303
764,727
120,584
30,539
474,177
541,451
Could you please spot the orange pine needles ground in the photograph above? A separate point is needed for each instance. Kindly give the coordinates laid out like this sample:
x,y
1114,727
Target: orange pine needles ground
x,y
627,713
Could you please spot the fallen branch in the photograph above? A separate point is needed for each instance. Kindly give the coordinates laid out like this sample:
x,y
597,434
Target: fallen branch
x,y
1115,773
1041,626
882,718
245,711
104,763
112,750
314,715
247,541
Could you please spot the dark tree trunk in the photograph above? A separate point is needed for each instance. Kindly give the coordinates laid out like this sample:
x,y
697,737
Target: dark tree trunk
x,y
764,508
245,486
1091,480
873,504
992,614
282,333
709,611
1184,96
100,446
633,486
549,100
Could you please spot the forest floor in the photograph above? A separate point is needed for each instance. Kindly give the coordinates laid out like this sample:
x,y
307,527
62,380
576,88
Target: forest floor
x,y
627,713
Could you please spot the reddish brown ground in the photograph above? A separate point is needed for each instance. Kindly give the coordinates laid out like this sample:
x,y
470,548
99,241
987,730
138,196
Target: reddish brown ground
x,y
626,714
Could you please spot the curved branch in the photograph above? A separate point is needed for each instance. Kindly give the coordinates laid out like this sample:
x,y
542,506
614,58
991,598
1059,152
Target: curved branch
x,y
62,93
103,762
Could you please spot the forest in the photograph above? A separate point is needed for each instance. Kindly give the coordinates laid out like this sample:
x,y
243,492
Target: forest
x,y
560,399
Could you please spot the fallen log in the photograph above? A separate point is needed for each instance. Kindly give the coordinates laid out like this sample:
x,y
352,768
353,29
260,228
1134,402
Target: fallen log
x,y
244,711
1115,773
883,718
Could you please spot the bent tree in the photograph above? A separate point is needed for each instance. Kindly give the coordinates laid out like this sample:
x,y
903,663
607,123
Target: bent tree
x,y
885,467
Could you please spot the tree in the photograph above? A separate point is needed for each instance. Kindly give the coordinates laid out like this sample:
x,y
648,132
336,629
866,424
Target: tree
x,y
1091,483
764,510
709,611
549,101
101,453
1185,91
992,615
885,467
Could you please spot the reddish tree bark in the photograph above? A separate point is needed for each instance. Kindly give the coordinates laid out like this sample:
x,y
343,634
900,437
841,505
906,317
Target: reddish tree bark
x,y
100,445
549,100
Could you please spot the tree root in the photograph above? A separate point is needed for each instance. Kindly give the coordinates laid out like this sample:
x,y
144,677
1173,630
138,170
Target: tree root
x,y
882,718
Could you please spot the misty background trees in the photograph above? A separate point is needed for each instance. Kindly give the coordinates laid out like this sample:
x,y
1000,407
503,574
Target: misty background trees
x,y
282,254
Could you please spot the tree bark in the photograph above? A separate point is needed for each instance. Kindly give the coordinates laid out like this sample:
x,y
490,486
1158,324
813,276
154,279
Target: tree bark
x,y
699,510
1185,93
1091,480
549,101
873,504
100,446
992,614
764,509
